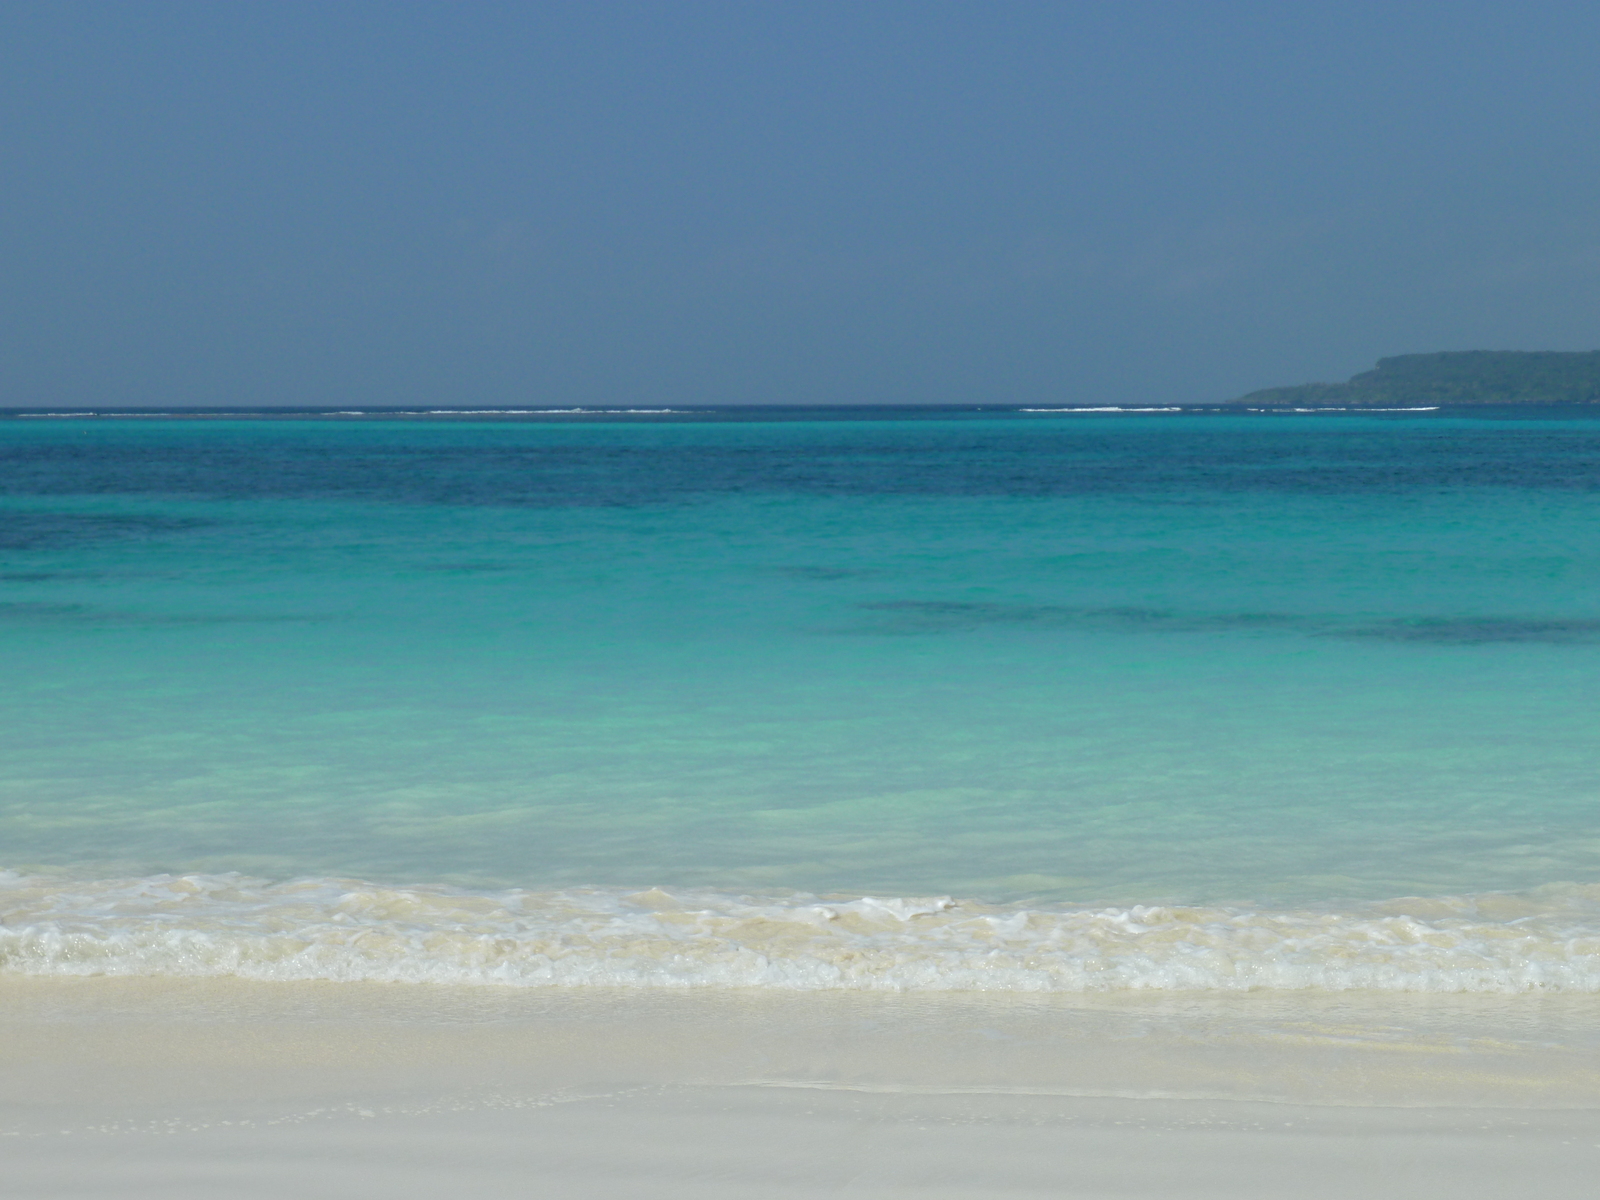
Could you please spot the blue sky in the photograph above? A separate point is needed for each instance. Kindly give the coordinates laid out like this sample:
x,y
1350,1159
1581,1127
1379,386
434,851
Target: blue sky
x,y
805,203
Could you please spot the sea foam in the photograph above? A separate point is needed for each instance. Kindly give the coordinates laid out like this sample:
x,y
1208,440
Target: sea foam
x,y
347,930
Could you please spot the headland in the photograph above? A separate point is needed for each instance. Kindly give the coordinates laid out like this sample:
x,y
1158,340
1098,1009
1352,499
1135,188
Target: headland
x,y
1452,377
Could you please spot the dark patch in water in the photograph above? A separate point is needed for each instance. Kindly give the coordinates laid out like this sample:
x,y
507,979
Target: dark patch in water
x,y
950,616
942,616
86,614
1480,631
824,574
47,576
50,531
23,611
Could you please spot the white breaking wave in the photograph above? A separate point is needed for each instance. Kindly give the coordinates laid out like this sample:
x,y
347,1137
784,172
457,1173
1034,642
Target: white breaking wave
x,y
347,930
1105,409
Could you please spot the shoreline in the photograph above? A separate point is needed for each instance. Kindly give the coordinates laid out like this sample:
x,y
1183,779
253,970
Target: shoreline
x,y
1545,940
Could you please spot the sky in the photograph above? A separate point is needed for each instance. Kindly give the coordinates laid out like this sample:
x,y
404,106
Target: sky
x,y
766,202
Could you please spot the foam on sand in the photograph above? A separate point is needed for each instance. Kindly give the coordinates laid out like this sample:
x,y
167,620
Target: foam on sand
x,y
1547,940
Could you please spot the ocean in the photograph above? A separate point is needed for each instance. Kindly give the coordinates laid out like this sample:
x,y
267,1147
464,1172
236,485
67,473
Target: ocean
x,y
988,699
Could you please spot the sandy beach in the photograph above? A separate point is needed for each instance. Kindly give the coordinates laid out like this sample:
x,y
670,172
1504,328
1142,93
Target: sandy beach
x,y
178,1088
712,601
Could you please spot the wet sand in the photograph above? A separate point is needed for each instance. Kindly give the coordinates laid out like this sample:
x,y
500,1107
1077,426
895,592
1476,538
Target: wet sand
x,y
134,1088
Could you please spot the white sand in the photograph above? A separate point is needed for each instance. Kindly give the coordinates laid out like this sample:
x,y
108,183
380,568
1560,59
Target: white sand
x,y
189,1088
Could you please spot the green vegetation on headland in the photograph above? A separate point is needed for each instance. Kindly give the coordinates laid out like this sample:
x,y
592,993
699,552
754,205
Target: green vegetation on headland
x,y
1454,377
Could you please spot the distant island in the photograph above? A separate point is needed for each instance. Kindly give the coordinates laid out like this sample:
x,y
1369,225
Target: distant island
x,y
1453,377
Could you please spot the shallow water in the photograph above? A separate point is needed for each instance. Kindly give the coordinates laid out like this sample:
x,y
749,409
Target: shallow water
x,y
1242,664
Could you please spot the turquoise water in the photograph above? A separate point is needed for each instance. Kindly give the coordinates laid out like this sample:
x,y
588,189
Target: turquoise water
x,y
1031,661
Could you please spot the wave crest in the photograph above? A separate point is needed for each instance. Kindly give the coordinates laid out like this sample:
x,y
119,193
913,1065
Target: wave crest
x,y
348,930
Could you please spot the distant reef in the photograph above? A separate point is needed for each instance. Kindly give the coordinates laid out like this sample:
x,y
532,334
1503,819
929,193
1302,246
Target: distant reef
x,y
1453,377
